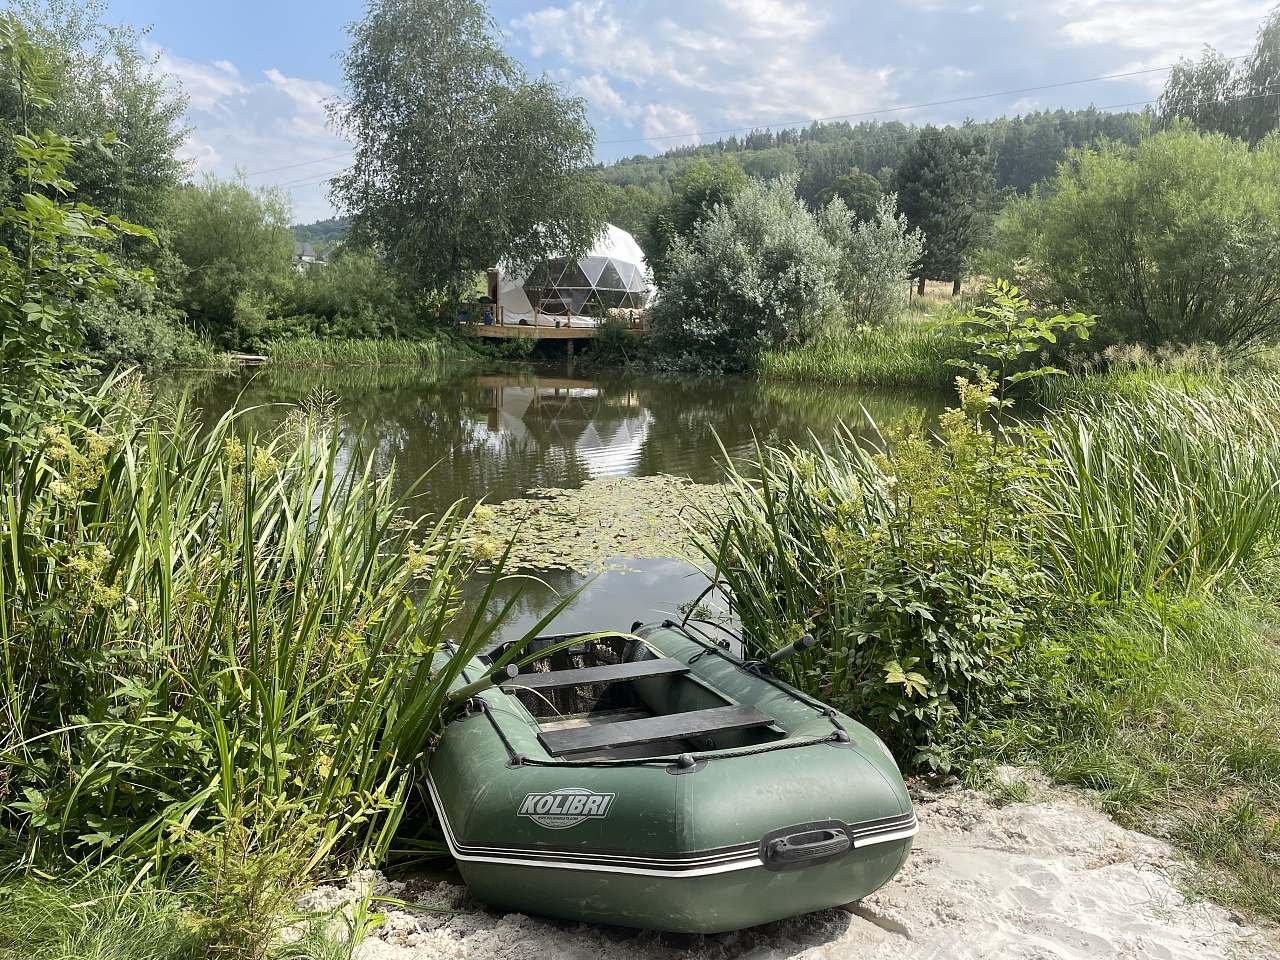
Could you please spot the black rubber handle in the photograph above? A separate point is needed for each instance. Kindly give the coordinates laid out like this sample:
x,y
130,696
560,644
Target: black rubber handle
x,y
804,643
501,675
812,845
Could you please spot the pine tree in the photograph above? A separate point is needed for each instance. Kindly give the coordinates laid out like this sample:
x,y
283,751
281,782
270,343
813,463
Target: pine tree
x,y
946,185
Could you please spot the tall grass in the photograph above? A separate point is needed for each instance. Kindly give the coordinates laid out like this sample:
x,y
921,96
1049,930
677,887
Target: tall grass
x,y
1170,492
317,352
216,650
896,355
96,919
1097,597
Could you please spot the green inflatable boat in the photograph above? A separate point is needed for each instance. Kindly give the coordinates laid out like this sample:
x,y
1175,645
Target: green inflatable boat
x,y
656,780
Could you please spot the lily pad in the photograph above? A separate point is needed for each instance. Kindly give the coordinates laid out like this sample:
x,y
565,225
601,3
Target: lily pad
x,y
587,529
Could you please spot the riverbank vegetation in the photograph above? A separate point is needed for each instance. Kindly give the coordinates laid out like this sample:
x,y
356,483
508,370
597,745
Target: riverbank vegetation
x,y
213,639
216,646
1093,594
211,671
896,354
334,352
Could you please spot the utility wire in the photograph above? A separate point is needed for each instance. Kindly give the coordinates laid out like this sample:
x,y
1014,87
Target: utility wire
x,y
941,134
840,116
301,163
901,109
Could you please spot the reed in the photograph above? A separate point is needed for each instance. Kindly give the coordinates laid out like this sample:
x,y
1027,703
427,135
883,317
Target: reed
x,y
316,352
1167,492
218,651
896,355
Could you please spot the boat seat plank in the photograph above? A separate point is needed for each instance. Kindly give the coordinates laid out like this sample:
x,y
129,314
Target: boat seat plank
x,y
609,673
673,726
596,718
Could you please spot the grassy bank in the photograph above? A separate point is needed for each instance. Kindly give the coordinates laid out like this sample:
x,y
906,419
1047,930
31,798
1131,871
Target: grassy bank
x,y
903,354
211,673
1085,596
316,352
1169,707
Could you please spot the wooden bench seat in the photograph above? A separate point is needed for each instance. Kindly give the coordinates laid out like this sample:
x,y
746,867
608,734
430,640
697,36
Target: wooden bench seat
x,y
673,726
610,673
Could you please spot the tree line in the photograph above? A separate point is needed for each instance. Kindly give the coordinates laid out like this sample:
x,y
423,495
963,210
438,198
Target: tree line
x,y
462,160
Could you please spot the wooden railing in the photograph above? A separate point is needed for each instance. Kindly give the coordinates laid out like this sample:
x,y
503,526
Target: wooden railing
x,y
495,314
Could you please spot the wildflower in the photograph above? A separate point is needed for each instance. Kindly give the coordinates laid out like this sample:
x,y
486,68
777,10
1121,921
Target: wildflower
x,y
264,464
233,452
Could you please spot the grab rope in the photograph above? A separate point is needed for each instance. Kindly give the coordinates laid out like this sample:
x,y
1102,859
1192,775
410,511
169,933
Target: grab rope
x,y
710,646
838,735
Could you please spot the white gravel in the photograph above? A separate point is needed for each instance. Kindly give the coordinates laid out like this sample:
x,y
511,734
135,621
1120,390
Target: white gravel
x,y
1048,879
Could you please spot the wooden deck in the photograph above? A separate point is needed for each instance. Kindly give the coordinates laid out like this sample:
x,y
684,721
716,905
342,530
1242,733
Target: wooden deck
x,y
544,328
516,331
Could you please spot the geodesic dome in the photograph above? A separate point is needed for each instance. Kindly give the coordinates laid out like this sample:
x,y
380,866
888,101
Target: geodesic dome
x,y
613,274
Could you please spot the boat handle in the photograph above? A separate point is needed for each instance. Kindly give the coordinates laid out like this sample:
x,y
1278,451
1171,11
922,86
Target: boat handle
x,y
800,848
501,675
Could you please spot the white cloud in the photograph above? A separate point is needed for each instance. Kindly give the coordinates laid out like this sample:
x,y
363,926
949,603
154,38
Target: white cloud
x,y
309,97
208,85
774,19
666,127
601,95
1175,29
737,63
256,126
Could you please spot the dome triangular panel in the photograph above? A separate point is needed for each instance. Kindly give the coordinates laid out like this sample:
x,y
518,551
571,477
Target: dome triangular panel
x,y
593,267
609,278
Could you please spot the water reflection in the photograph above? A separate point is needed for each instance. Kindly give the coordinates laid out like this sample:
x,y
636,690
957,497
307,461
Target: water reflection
x,y
497,435
646,590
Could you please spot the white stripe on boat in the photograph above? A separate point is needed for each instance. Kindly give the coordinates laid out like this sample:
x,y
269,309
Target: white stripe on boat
x,y
726,861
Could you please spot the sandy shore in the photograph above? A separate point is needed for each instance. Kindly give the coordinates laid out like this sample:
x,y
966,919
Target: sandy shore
x,y
1052,878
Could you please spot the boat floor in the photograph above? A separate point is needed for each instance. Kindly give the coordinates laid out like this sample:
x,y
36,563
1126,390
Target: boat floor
x,y
597,718
576,720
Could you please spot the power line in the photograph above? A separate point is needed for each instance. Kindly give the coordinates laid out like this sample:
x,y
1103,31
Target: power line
x,y
900,109
791,123
317,177
302,163
890,138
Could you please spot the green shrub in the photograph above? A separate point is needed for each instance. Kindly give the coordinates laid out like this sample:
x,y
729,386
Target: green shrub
x,y
757,275
152,340
878,257
694,195
1007,343
615,345
52,258
354,295
235,244
912,567
1176,240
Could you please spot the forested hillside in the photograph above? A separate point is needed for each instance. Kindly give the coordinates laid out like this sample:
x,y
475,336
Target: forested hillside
x,y
323,233
1026,149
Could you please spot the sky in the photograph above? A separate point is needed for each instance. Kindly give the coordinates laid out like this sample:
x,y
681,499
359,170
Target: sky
x,y
662,73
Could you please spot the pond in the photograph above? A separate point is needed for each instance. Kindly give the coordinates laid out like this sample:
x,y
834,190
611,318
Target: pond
x,y
497,434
